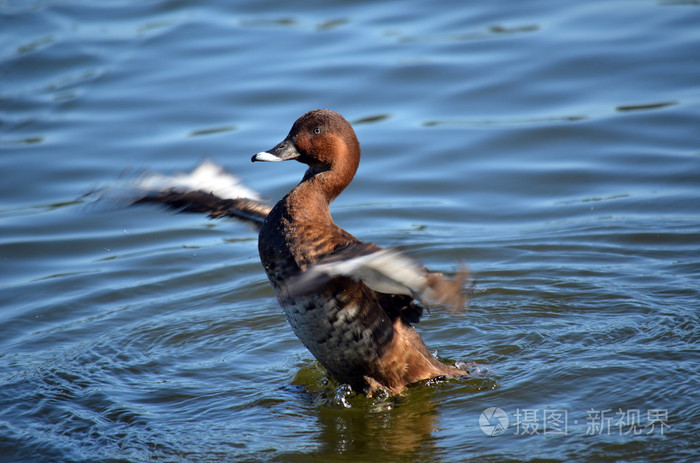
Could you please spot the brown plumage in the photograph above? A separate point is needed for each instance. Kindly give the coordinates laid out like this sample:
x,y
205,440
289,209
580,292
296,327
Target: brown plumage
x,y
214,206
349,302
361,336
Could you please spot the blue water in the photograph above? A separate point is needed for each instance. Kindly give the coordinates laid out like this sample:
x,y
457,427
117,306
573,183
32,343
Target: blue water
x,y
552,146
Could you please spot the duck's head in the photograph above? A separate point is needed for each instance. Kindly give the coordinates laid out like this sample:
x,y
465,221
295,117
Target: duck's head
x,y
321,139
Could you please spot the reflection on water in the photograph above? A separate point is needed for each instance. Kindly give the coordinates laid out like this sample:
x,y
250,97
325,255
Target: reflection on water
x,y
354,425
641,107
400,429
553,147
348,423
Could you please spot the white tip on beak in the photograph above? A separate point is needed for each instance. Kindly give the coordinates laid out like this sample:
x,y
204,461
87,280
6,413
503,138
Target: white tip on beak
x,y
265,156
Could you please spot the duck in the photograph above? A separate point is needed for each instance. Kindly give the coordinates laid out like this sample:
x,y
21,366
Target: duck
x,y
352,304
362,336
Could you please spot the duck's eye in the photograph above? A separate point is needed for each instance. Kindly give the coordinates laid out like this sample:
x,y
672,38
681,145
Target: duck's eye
x,y
316,130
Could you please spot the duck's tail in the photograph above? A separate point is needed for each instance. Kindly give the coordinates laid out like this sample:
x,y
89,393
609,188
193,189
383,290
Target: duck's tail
x,y
207,189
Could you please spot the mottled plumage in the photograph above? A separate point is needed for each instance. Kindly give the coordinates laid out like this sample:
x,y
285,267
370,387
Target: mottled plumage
x,y
351,303
361,336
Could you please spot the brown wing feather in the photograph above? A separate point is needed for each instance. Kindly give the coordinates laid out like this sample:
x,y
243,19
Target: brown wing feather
x,y
208,203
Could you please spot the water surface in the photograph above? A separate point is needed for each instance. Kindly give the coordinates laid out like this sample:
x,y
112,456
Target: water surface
x,y
553,146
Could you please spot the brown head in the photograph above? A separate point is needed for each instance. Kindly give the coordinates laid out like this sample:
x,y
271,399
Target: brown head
x,y
326,142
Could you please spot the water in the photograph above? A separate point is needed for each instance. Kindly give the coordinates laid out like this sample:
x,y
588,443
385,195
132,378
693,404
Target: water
x,y
553,146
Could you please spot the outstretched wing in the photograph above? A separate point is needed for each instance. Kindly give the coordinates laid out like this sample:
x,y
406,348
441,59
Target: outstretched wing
x,y
385,271
207,189
210,204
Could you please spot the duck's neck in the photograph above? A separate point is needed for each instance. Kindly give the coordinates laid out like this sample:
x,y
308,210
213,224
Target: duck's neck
x,y
327,182
301,224
324,186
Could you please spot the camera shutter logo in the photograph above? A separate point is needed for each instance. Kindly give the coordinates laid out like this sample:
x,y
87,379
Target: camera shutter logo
x,y
493,421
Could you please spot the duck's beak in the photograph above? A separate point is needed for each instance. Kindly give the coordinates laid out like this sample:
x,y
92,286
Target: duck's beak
x,y
284,151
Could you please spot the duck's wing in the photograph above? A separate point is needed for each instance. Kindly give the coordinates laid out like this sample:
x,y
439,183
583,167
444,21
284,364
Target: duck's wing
x,y
385,271
207,189
210,204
